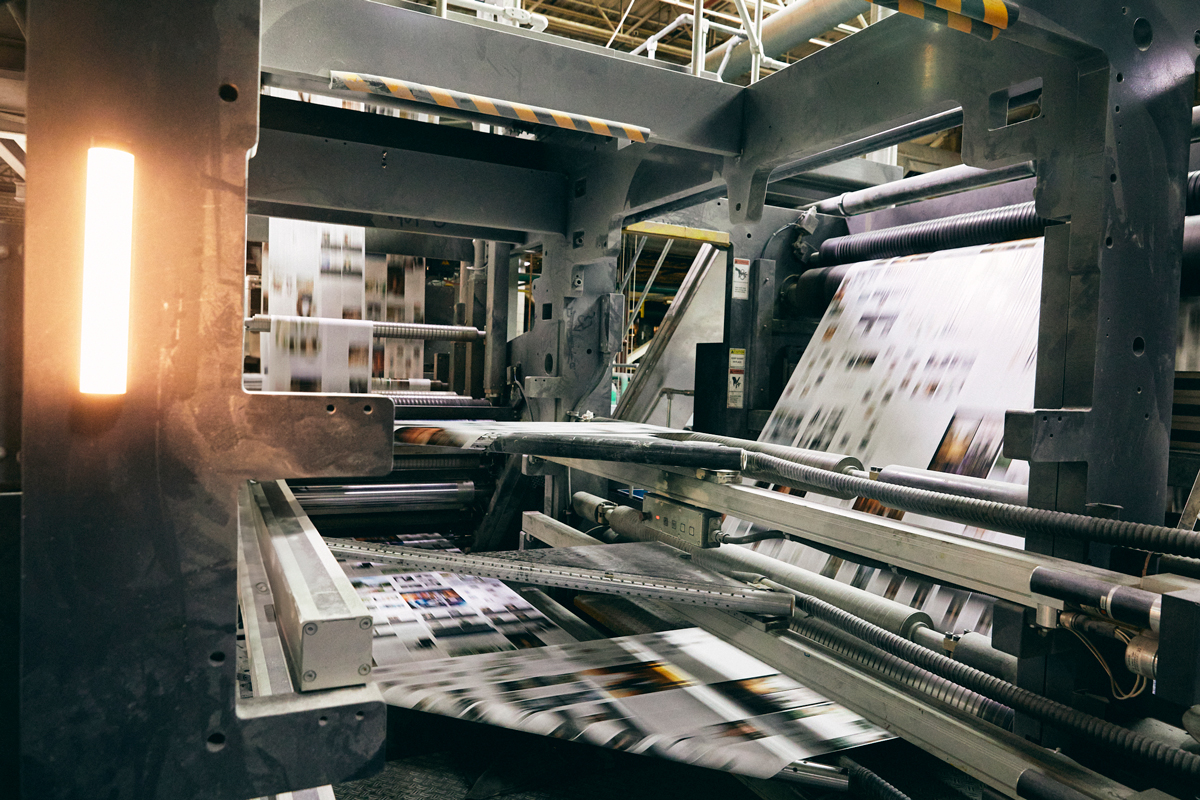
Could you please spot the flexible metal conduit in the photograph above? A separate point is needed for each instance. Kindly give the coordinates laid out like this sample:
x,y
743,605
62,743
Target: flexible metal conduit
x,y
995,516
920,187
993,225
1002,517
981,488
903,671
1041,708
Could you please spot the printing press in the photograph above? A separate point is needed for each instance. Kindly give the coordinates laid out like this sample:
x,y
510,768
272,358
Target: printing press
x,y
919,451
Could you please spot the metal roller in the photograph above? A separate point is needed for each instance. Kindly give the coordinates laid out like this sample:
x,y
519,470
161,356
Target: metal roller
x,y
384,497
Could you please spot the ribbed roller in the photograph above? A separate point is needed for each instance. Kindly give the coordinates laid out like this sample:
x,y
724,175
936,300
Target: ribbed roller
x,y
979,227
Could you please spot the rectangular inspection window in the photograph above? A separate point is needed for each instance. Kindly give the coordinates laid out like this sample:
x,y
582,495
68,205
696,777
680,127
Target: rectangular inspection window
x,y
547,310
1018,103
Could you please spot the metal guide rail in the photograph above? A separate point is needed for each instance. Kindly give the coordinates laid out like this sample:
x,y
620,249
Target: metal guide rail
x,y
714,595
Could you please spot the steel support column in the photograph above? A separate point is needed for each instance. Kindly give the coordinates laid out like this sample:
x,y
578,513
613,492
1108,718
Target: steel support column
x,y
129,564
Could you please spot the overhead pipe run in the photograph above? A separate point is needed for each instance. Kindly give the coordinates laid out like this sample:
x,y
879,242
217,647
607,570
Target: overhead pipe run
x,y
921,187
786,29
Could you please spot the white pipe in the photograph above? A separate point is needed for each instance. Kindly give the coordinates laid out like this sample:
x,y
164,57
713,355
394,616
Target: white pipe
x,y
728,47
789,28
757,57
538,22
698,38
748,29
652,41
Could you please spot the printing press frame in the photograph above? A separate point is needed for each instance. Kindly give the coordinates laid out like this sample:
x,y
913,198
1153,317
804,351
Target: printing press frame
x,y
129,509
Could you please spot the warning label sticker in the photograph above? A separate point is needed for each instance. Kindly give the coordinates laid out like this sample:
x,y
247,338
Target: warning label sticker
x,y
741,279
735,395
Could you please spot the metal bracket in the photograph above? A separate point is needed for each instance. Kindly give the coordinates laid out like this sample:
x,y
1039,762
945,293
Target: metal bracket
x,y
543,386
1063,434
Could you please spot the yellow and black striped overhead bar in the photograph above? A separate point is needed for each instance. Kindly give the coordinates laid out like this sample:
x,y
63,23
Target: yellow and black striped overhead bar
x,y
982,18
418,93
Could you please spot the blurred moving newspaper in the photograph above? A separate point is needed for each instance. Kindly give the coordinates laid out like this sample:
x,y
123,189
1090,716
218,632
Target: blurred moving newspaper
x,y
320,272
914,363
421,616
683,695
476,649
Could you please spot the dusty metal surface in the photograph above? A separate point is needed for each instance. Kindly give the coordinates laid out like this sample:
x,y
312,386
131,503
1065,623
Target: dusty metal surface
x,y
129,595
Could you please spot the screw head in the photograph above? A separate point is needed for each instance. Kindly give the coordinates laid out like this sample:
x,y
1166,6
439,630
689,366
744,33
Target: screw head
x,y
309,676
310,628
364,669
260,587
364,623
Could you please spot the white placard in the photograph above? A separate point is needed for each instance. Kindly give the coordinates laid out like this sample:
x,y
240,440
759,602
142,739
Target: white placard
x,y
735,393
741,279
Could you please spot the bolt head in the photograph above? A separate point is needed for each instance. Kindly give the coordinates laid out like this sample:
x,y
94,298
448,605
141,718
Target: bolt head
x,y
310,628
261,587
364,623
309,676
364,669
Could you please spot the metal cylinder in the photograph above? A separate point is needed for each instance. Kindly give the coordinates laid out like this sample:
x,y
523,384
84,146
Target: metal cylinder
x,y
384,497
1122,603
869,144
919,187
1141,656
630,450
887,614
430,333
1006,224
834,462
592,508
962,485
975,650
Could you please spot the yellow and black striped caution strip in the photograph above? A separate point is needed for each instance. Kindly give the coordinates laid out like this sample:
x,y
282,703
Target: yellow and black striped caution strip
x,y
418,93
982,18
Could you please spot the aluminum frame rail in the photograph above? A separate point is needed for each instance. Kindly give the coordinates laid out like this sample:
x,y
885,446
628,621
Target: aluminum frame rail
x,y
978,566
992,755
712,595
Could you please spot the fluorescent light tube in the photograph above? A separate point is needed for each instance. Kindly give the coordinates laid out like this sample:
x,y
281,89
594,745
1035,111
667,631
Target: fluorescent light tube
x,y
107,257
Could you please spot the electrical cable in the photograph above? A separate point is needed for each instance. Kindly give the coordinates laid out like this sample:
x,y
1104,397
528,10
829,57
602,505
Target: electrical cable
x,y
757,536
763,252
1139,683
1041,708
528,407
